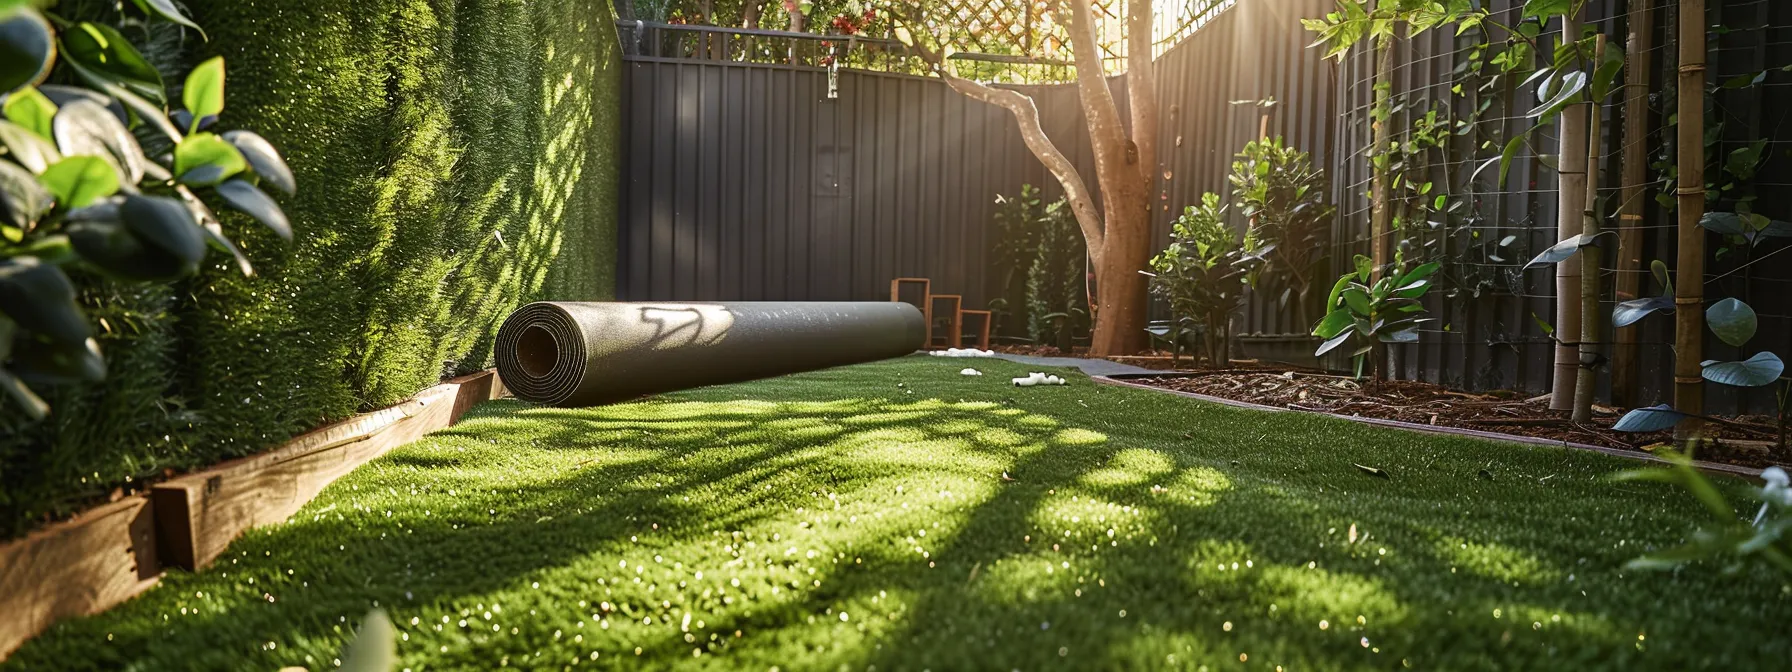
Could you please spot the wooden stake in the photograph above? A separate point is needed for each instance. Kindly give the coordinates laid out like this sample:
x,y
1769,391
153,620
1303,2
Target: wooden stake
x,y
1571,195
1689,274
1632,197
1586,379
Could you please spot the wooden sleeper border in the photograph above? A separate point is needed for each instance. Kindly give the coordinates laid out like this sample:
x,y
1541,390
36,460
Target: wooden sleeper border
x,y
115,551
1126,380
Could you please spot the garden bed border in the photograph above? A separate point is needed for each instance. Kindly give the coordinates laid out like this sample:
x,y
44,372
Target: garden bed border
x,y
1126,380
115,551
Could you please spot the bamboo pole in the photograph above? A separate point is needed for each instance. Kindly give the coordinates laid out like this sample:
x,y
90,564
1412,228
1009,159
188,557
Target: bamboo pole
x,y
1628,281
1571,194
1689,274
1586,380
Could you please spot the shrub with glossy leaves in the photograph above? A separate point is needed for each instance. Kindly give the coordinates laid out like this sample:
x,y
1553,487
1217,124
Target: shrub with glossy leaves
x,y
77,188
1202,275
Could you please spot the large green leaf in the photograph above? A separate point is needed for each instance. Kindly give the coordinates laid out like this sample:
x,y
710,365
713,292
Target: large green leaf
x,y
1629,312
168,10
1420,272
1358,300
165,223
1572,84
84,127
101,52
214,232
22,198
1331,300
1332,343
27,48
205,159
146,238
79,180
1653,418
29,108
1762,369
263,159
1544,9
1733,321
204,91
246,198
1563,250
1334,323
28,148
40,298
1504,160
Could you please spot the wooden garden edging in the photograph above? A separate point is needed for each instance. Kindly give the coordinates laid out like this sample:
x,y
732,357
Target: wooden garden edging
x,y
112,552
1709,467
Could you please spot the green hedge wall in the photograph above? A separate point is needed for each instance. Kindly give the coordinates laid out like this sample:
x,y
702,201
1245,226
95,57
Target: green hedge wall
x,y
455,159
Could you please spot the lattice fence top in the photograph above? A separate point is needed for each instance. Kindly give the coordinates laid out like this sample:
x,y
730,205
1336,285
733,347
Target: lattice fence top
x,y
1033,29
1015,40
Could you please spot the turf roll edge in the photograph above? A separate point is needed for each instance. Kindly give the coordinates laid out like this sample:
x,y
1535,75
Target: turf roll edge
x,y
585,354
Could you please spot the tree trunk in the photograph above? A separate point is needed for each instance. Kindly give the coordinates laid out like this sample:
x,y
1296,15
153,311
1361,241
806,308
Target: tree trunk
x,y
1586,378
1627,281
1125,196
1571,195
1689,274
1118,239
1120,289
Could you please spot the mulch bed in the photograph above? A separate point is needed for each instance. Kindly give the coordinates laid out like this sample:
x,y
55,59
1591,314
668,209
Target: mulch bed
x,y
1746,441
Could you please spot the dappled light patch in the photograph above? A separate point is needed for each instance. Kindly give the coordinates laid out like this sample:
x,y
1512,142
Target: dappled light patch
x,y
999,437
1129,467
1494,561
924,455
1078,437
1332,602
971,538
885,418
1198,486
955,427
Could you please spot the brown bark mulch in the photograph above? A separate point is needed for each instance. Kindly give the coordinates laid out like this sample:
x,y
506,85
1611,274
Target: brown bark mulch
x,y
1746,441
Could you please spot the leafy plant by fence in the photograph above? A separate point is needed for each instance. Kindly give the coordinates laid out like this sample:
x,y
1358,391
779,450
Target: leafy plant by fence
x,y
1284,196
1203,275
1057,286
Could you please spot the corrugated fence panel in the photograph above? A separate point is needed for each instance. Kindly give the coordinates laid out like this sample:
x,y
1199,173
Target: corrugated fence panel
x,y
746,181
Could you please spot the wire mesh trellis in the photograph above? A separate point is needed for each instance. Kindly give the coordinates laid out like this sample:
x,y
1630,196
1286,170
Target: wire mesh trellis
x,y
1492,315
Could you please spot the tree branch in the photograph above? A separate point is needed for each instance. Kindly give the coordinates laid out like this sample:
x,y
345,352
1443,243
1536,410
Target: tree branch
x,y
1026,115
1141,87
1114,155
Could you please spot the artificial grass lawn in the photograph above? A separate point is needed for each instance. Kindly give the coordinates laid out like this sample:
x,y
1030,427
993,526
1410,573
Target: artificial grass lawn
x,y
859,517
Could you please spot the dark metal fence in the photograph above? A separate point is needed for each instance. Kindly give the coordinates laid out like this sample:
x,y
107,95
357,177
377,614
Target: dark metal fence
x,y
745,180
1489,335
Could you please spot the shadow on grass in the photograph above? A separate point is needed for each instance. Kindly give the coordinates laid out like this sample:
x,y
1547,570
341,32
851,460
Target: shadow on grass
x,y
896,532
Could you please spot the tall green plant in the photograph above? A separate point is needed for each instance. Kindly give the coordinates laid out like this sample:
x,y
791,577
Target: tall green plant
x,y
1385,310
1278,188
1017,224
1202,275
1057,296
77,190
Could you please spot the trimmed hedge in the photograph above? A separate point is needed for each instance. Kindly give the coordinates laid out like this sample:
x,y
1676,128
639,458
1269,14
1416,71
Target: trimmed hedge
x,y
455,159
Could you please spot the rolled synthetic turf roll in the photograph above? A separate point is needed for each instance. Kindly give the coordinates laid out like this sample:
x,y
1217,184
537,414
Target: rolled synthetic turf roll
x,y
583,354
